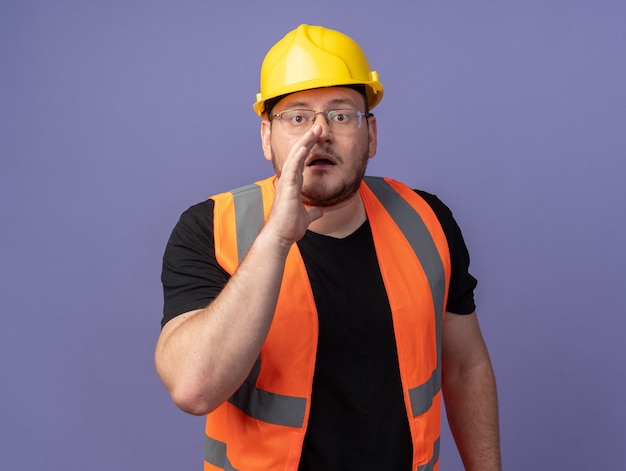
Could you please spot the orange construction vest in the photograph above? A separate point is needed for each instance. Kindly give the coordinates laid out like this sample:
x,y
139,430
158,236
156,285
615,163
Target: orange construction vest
x,y
262,426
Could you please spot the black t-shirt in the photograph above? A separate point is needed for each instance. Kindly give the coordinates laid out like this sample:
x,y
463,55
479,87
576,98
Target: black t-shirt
x,y
358,419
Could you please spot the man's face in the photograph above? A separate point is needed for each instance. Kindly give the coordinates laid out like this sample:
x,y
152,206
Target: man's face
x,y
336,164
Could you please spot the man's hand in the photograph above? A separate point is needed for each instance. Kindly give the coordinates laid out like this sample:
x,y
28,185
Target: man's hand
x,y
289,217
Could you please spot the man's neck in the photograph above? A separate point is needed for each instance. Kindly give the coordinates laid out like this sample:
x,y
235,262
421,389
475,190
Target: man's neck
x,y
341,220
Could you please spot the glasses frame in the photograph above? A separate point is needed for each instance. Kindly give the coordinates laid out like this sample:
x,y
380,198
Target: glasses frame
x,y
301,130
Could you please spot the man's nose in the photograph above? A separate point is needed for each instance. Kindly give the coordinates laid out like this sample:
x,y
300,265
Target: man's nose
x,y
324,123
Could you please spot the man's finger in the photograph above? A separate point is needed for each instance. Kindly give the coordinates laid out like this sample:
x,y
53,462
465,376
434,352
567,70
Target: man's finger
x,y
303,147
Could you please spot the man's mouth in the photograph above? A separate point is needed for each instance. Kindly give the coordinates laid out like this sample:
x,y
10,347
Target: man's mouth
x,y
319,162
321,159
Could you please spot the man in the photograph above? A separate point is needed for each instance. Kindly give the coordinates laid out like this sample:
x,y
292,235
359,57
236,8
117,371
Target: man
x,y
305,313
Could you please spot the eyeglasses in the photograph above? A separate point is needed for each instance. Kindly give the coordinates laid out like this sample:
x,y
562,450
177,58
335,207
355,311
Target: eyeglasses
x,y
300,121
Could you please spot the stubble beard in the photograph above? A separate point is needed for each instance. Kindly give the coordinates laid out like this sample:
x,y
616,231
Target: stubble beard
x,y
323,196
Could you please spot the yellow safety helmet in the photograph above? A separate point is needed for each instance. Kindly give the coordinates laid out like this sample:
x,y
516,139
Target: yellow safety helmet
x,y
315,57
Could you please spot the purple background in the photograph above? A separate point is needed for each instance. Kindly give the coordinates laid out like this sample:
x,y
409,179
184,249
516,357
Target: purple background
x,y
115,116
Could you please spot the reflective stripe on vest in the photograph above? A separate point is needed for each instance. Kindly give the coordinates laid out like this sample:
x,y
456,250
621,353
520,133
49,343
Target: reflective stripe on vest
x,y
430,466
248,215
269,407
215,454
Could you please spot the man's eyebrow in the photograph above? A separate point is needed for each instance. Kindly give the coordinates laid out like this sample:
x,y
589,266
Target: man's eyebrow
x,y
342,101
332,103
296,104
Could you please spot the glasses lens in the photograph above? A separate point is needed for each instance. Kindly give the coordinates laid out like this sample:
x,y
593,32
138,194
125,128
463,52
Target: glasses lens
x,y
297,120
344,119
300,121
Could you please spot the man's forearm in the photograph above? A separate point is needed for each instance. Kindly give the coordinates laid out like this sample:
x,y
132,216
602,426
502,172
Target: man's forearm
x,y
472,409
207,355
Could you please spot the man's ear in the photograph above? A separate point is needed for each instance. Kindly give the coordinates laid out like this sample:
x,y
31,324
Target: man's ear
x,y
372,131
266,138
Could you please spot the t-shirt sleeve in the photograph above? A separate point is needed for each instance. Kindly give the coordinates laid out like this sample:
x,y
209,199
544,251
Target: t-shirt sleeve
x,y
462,283
190,275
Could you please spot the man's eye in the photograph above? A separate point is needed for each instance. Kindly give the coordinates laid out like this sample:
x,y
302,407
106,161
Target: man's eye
x,y
297,119
340,117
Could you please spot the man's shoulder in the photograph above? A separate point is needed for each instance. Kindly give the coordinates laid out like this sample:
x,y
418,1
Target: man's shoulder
x,y
199,210
195,220
434,202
